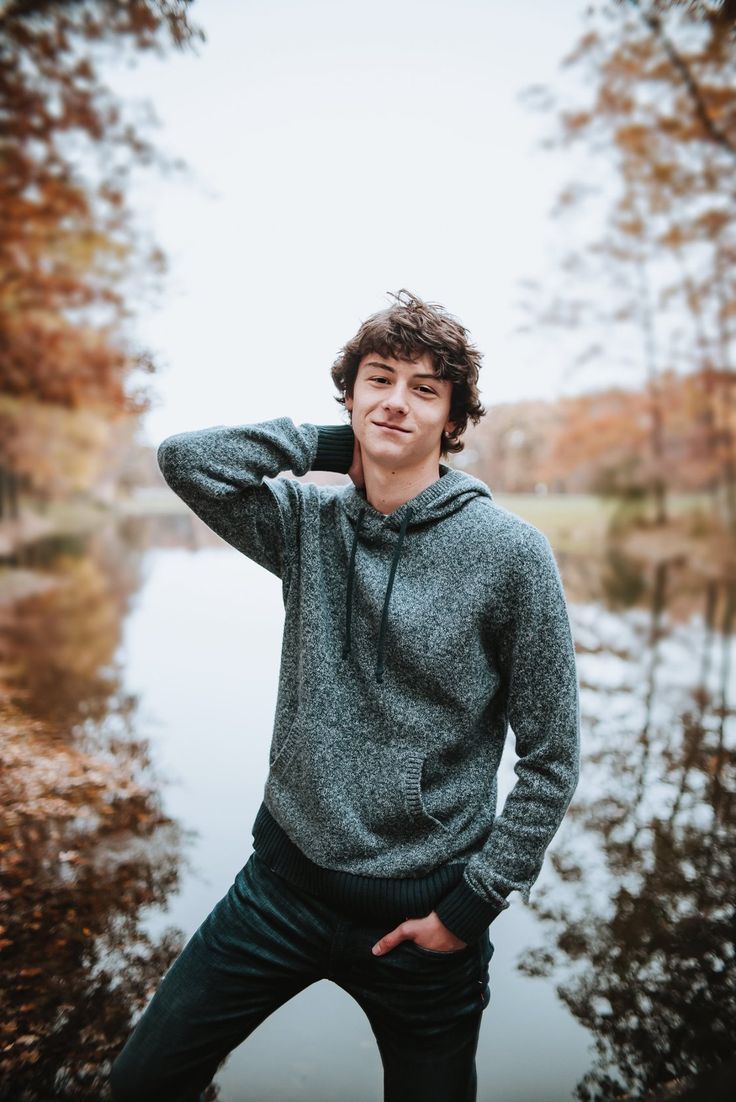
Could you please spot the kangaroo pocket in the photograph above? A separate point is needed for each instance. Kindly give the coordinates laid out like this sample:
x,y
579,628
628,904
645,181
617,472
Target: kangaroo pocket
x,y
351,799
283,749
412,776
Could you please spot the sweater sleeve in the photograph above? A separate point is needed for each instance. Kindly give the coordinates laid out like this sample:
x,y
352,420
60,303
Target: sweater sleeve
x,y
227,475
543,708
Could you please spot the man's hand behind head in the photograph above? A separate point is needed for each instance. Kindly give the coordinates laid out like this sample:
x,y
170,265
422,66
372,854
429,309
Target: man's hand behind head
x,y
356,467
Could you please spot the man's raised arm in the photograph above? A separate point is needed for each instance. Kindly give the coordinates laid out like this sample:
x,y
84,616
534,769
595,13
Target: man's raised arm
x,y
221,472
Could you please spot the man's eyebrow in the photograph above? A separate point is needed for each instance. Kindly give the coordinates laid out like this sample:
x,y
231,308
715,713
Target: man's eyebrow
x,y
416,374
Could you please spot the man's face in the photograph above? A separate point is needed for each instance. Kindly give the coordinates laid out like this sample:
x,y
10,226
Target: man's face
x,y
407,396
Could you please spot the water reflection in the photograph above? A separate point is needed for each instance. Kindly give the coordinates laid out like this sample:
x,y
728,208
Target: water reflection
x,y
84,845
642,915
636,909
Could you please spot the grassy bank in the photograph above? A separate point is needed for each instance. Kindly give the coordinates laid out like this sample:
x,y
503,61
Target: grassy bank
x,y
574,523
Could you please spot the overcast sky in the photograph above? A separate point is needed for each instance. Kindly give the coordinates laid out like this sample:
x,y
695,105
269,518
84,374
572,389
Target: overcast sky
x,y
339,151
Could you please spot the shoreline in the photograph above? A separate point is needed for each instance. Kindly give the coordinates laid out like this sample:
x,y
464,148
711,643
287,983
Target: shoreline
x,y
574,524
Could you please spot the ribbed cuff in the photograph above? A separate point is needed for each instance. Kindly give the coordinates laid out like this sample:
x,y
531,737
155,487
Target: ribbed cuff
x,y
465,913
335,447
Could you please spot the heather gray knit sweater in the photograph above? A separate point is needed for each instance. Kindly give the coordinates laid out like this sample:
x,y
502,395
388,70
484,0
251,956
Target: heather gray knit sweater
x,y
411,640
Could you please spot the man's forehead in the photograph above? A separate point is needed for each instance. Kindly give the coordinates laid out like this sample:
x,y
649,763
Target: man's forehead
x,y
423,363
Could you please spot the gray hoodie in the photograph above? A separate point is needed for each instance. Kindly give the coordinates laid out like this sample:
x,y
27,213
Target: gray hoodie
x,y
411,641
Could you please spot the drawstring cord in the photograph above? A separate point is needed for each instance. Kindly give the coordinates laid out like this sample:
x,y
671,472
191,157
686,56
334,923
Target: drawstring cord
x,y
349,598
384,618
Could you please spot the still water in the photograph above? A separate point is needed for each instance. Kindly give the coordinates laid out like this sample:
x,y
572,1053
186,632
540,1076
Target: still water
x,y
150,679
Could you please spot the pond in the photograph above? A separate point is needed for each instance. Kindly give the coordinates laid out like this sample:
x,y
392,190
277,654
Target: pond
x,y
138,710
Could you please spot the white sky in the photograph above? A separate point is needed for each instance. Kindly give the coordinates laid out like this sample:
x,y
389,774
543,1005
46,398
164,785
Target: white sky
x,y
341,150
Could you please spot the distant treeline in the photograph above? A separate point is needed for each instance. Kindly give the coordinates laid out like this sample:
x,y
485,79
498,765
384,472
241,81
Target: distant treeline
x,y
601,441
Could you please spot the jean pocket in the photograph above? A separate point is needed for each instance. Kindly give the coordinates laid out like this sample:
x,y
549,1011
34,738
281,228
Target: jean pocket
x,y
437,954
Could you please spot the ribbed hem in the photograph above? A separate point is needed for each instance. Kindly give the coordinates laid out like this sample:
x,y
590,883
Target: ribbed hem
x,y
335,447
371,898
465,913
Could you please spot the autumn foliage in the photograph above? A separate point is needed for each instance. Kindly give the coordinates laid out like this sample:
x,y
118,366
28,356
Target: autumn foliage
x,y
655,292
69,249
600,441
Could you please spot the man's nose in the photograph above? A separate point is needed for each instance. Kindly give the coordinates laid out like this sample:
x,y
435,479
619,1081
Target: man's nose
x,y
395,399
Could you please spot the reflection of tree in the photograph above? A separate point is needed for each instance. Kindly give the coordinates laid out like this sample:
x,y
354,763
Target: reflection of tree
x,y
653,974
84,844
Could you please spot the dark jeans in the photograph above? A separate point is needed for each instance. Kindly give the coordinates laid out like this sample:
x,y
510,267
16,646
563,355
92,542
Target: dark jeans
x,y
263,943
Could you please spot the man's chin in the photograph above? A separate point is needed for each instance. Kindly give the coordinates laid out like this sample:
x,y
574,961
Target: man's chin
x,y
388,458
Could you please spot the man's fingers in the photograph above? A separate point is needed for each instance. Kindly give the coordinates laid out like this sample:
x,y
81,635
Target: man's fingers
x,y
386,943
423,931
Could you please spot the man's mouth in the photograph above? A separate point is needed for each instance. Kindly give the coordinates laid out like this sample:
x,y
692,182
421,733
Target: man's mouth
x,y
392,428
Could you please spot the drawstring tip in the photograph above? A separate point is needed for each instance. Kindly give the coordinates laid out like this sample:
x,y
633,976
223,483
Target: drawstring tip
x,y
379,673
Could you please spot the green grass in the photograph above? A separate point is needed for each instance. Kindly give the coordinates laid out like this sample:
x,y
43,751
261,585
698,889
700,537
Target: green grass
x,y
572,522
581,521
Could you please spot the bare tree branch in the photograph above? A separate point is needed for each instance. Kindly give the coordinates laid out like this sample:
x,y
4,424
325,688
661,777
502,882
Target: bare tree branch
x,y
726,14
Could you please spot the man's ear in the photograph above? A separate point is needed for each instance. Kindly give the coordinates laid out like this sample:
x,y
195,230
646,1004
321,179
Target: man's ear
x,y
450,427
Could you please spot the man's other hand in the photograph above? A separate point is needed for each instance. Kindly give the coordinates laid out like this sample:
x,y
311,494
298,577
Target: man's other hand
x,y
428,932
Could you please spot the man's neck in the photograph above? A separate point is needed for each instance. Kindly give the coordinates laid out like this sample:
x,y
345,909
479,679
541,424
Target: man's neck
x,y
387,489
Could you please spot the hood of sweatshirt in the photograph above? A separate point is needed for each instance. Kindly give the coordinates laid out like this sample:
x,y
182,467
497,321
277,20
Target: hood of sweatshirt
x,y
446,495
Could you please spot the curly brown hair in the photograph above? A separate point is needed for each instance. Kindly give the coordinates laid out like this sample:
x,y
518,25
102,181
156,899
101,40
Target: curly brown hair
x,y
405,331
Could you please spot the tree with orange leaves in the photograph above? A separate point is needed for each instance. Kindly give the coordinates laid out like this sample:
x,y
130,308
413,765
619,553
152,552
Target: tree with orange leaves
x,y
67,241
662,118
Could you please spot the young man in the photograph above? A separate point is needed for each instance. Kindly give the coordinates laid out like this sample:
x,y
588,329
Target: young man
x,y
421,618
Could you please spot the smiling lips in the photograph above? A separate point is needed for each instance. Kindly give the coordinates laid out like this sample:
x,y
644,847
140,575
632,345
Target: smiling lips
x,y
393,428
